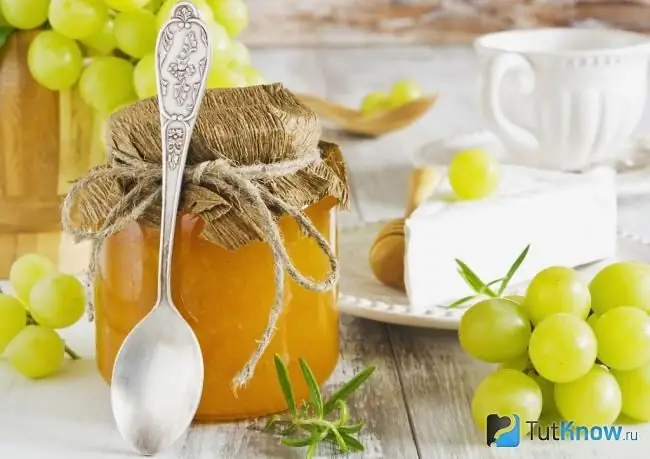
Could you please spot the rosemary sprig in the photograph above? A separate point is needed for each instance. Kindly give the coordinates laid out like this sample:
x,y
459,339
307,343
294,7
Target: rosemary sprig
x,y
485,289
317,420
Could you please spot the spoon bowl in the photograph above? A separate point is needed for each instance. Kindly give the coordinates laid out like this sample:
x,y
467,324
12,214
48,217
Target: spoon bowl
x,y
374,125
161,356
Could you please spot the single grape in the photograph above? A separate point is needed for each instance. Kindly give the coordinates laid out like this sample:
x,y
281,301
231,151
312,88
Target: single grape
x,y
136,32
24,14
220,44
126,5
494,330
621,284
635,388
54,61
103,41
224,77
519,299
57,301
107,84
562,348
78,18
3,20
374,102
252,75
593,399
26,271
592,319
13,318
36,352
241,57
153,5
557,289
164,14
520,363
144,77
548,397
623,336
232,14
474,174
403,92
507,392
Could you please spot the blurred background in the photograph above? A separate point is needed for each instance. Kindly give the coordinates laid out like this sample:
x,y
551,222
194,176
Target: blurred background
x,y
66,65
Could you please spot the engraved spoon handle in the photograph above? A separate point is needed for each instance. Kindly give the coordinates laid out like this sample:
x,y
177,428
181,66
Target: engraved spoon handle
x,y
182,63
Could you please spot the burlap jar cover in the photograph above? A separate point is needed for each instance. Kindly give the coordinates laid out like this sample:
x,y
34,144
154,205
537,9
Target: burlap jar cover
x,y
255,155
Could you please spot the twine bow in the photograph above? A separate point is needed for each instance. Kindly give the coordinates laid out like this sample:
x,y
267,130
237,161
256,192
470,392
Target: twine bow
x,y
243,183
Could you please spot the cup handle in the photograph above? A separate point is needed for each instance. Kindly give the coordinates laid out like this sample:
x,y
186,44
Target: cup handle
x,y
498,67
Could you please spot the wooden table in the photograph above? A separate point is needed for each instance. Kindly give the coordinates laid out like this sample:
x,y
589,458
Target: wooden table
x,y
417,403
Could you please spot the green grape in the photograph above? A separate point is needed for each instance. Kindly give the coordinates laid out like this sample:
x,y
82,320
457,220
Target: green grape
x,y
593,399
24,14
623,336
78,18
57,301
126,5
144,77
103,41
374,102
403,92
164,14
107,84
3,20
224,77
153,5
54,61
36,352
13,318
520,363
562,348
252,75
232,14
621,284
635,388
26,271
548,396
136,32
519,299
241,57
557,289
474,174
592,319
494,330
220,44
507,392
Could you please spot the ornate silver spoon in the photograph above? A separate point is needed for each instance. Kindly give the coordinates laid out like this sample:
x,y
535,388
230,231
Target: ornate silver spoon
x,y
158,374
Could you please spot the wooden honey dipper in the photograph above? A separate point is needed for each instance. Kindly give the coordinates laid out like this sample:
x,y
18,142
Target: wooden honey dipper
x,y
387,251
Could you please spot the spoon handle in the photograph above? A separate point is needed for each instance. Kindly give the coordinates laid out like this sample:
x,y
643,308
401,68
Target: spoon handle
x,y
182,64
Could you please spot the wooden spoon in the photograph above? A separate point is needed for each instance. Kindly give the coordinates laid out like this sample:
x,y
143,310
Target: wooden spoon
x,y
387,251
383,122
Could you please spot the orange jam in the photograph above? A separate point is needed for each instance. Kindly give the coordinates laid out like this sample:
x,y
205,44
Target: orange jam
x,y
225,295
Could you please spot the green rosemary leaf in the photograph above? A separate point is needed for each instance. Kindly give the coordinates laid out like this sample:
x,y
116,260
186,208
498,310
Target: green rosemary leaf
x,y
340,441
470,282
495,281
344,413
513,269
271,422
314,390
285,385
298,442
461,301
311,452
5,32
475,282
290,429
353,444
348,388
351,428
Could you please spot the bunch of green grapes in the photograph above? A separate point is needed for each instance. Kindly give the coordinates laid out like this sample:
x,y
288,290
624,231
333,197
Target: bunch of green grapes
x,y
567,348
43,302
105,48
401,93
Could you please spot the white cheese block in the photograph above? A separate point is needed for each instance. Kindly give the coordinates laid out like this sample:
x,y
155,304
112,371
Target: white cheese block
x,y
568,219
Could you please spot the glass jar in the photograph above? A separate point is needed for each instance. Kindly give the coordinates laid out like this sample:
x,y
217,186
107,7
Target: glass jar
x,y
225,295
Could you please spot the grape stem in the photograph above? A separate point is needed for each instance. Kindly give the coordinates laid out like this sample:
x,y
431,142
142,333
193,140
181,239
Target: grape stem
x,y
72,354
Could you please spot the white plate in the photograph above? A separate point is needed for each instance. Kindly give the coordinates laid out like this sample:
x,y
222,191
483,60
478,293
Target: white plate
x,y
362,295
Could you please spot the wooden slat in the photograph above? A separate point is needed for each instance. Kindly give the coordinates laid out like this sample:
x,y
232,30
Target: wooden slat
x,y
371,22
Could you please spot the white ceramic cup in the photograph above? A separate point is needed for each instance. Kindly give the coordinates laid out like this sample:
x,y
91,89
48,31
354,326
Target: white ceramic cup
x,y
585,92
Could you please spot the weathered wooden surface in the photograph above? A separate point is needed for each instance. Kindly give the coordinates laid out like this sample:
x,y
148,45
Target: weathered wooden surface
x,y
346,22
417,404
